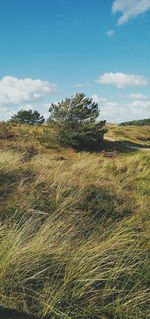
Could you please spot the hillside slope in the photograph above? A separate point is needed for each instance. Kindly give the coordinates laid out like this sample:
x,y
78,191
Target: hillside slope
x,y
74,229
135,134
137,123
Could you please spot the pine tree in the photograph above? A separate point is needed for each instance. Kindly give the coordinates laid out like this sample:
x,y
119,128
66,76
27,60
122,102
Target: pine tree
x,y
75,119
27,117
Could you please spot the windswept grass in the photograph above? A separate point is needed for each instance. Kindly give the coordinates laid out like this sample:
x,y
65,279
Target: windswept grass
x,y
27,138
49,269
74,234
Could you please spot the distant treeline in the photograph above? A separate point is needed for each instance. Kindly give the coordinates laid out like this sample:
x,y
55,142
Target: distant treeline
x,y
138,122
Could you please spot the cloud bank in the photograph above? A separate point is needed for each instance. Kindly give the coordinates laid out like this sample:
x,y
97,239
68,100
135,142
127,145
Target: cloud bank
x,y
130,8
14,91
138,96
98,99
122,80
117,112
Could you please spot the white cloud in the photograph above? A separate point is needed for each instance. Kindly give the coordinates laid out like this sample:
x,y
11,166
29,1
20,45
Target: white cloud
x,y
46,115
4,114
98,99
137,96
130,8
141,104
110,33
123,80
113,112
117,112
14,91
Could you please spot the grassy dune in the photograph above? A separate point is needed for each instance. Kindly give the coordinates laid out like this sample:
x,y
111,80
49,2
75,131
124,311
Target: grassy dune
x,y
135,134
74,229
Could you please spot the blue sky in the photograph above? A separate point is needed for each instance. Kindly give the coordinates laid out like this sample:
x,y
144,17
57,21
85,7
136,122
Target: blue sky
x,y
52,49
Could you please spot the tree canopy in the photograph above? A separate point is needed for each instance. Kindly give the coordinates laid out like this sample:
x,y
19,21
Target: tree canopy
x,y
27,117
75,119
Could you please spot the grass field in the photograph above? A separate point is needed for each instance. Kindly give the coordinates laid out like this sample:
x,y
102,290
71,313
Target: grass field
x,y
135,134
75,236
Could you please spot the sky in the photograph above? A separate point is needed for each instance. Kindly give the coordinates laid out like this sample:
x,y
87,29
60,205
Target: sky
x,y
51,49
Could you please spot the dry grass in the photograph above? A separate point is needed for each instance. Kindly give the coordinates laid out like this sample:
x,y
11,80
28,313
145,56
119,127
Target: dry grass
x,y
75,233
136,134
50,269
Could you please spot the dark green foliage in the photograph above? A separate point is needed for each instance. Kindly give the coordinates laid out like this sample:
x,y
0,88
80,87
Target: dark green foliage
x,y
138,122
27,117
10,193
8,183
14,314
99,203
75,120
